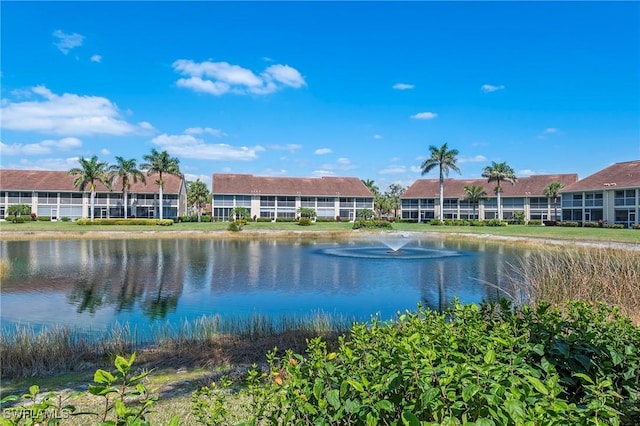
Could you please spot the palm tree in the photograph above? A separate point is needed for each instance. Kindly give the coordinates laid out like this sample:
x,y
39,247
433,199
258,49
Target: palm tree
x,y
393,194
473,194
371,185
161,162
445,160
197,196
553,191
90,172
499,172
127,171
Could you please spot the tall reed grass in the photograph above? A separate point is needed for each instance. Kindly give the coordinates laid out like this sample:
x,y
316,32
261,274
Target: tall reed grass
x,y
25,351
557,275
5,266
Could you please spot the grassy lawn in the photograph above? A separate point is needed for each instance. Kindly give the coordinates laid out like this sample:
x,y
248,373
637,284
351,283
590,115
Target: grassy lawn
x,y
31,230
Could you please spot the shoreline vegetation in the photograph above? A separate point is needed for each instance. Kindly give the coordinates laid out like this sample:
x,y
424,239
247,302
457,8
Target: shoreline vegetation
x,y
596,266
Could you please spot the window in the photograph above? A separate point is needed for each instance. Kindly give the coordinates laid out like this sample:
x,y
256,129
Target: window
x,y
539,202
410,204
308,202
223,200
326,202
364,203
572,200
286,201
625,198
593,199
243,200
512,202
267,202
346,202
427,203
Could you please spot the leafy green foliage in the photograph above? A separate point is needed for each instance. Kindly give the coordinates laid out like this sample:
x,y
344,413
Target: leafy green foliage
x,y
487,365
305,221
19,210
372,224
150,222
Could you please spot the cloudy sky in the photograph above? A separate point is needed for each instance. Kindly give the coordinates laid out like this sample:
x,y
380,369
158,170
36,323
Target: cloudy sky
x,y
315,89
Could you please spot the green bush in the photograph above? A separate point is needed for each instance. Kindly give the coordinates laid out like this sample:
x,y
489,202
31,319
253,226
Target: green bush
x,y
325,219
592,225
534,222
234,226
568,224
305,221
637,226
614,226
65,219
490,365
372,224
206,218
494,222
107,222
286,219
263,219
436,222
43,218
17,219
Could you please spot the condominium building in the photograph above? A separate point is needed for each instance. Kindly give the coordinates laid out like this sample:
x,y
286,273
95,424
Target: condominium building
x,y
282,197
421,201
52,193
611,195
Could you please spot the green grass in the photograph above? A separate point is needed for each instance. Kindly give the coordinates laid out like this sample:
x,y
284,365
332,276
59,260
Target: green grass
x,y
30,230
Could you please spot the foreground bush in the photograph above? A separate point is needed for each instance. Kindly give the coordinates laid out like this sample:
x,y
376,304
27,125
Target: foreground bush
x,y
490,365
150,222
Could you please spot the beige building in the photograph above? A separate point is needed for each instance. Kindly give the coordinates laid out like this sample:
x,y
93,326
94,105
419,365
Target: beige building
x,y
611,195
421,201
51,193
281,197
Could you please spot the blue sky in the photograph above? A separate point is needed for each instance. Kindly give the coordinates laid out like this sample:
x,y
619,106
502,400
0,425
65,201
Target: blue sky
x,y
311,89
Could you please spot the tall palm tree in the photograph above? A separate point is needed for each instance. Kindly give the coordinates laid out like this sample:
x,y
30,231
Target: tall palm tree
x,y
553,191
89,173
445,160
499,172
371,185
198,196
161,162
473,194
128,172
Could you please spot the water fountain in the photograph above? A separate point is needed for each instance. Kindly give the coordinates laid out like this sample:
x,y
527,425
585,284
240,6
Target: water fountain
x,y
390,245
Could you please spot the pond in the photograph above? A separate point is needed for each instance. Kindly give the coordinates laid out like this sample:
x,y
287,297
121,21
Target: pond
x,y
94,284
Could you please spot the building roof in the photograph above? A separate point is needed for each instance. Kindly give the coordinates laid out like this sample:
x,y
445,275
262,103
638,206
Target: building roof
x,y
51,180
454,188
246,184
618,175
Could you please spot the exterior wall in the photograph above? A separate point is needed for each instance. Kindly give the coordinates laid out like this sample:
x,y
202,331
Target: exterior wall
x,y
287,206
424,209
75,205
619,205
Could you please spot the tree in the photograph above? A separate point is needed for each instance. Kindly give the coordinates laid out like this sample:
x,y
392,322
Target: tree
x,y
18,210
473,194
553,191
370,184
161,162
366,214
127,171
89,173
445,160
198,196
307,212
241,213
393,194
499,172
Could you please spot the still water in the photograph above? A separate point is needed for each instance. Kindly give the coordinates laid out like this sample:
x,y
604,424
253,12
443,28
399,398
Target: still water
x,y
93,284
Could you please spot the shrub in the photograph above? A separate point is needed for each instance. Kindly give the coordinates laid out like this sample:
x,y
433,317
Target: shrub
x,y
568,224
234,226
325,219
518,218
34,216
206,218
614,226
636,226
43,218
436,222
305,221
263,219
65,219
534,223
592,225
371,224
492,364
149,222
494,222
286,219
15,219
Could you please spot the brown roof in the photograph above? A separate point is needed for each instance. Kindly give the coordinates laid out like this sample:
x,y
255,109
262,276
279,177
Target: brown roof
x,y
50,180
618,175
454,188
245,184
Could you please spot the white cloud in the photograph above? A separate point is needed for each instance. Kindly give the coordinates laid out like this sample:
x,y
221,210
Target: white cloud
x,y
66,42
105,152
202,130
323,151
403,86
488,88
474,159
272,172
415,169
44,164
548,131
41,148
292,147
345,164
525,172
377,136
395,169
66,114
188,146
203,178
424,115
218,78
322,172
96,58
